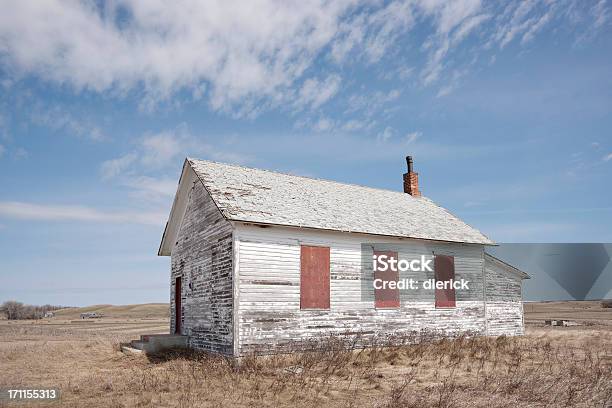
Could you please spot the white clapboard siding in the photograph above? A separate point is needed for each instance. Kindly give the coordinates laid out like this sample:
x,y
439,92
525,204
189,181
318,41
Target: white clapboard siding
x,y
269,294
504,301
202,257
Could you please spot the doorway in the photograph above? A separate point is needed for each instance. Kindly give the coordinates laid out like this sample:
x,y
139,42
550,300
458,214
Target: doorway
x,y
178,313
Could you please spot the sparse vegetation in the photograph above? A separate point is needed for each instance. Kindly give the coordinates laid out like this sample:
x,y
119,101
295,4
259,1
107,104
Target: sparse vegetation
x,y
606,304
548,367
14,310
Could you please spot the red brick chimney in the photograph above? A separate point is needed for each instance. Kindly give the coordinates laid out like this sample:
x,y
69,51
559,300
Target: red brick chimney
x,y
411,180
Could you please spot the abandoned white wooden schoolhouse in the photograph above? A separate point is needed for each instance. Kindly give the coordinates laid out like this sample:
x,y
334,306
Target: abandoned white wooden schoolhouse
x,y
262,261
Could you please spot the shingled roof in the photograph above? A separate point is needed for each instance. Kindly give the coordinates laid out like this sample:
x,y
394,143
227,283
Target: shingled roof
x,y
267,197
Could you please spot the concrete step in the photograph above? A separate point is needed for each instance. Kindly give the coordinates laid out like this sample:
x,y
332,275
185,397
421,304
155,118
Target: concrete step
x,y
147,337
130,350
140,345
154,343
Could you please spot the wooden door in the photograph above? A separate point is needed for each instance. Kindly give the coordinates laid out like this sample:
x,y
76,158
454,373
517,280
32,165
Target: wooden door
x,y
178,312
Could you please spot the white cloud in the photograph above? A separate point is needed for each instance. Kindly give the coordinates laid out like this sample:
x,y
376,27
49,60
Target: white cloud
x,y
245,51
540,23
372,32
58,119
315,93
385,135
46,212
454,21
452,83
387,25
517,23
608,157
600,13
113,168
413,136
168,148
404,73
162,148
469,25
249,57
150,170
151,188
323,125
445,90
355,125
368,104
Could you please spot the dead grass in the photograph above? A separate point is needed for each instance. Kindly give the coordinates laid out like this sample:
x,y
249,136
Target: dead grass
x,y
147,310
548,367
590,312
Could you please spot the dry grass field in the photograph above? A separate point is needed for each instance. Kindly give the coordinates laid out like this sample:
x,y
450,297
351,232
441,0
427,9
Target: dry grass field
x,y
587,312
549,367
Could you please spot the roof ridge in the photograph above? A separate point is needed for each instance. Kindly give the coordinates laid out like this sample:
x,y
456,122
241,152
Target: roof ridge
x,y
306,177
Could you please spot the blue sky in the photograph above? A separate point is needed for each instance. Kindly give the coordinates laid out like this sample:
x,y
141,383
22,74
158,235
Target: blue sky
x,y
505,106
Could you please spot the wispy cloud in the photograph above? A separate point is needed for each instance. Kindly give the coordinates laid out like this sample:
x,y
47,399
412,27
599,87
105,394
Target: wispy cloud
x,y
114,167
413,136
58,119
323,125
151,188
163,49
149,170
608,157
158,151
315,93
226,56
47,212
369,103
369,34
385,135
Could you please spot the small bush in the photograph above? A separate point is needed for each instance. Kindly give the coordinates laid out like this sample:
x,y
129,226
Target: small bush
x,y
18,311
606,304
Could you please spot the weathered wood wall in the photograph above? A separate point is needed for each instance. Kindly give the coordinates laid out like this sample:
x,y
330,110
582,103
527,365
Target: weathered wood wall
x,y
268,273
202,256
241,286
504,301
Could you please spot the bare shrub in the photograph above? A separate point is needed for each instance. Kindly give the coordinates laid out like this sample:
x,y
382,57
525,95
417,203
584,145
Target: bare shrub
x,y
18,311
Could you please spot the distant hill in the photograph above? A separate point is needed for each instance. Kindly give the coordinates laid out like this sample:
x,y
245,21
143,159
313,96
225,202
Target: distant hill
x,y
147,310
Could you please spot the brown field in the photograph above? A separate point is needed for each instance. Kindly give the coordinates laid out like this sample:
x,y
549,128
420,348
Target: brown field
x,y
587,312
549,367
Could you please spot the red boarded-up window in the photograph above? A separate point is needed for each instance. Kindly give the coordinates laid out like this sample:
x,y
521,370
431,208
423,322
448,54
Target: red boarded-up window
x,y
314,277
444,267
386,297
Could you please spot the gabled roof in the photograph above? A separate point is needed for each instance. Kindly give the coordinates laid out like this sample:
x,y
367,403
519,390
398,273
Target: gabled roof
x,y
506,266
267,197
